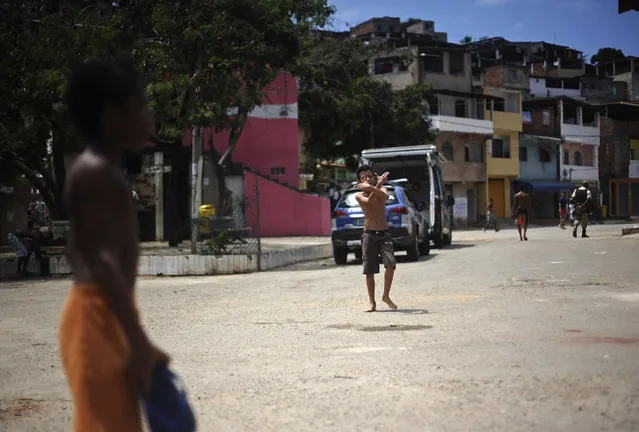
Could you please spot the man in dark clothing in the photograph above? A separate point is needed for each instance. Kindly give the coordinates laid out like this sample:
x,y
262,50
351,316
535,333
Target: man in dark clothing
x,y
582,198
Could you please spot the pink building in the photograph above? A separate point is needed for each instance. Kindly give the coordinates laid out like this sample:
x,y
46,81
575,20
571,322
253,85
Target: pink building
x,y
269,144
270,140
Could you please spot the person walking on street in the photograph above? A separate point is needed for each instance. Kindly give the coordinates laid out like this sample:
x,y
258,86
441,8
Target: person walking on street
x,y
490,215
107,356
563,203
522,211
582,199
376,239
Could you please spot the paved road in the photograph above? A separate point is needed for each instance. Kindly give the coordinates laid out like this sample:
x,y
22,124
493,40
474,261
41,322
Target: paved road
x,y
492,335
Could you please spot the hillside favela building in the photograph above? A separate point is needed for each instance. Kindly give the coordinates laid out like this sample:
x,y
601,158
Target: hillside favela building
x,y
511,114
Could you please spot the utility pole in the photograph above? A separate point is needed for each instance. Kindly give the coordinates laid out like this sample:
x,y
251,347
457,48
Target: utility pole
x,y
158,165
196,151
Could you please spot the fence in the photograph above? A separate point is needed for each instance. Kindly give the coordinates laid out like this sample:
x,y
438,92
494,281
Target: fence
x,y
233,232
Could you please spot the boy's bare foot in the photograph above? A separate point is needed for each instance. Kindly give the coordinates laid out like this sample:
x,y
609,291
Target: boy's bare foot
x,y
389,302
372,308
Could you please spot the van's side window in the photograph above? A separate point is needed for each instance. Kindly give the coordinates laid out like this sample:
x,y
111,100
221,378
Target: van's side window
x,y
437,178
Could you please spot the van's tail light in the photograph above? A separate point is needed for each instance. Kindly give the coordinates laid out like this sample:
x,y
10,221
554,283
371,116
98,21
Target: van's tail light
x,y
339,213
400,210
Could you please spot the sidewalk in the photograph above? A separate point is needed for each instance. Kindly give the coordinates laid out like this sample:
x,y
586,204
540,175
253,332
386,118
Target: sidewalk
x,y
509,223
157,259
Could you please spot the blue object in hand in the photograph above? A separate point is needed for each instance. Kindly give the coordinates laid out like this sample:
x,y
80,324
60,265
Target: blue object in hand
x,y
167,407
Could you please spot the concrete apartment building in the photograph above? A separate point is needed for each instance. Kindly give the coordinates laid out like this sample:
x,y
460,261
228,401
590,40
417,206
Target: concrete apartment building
x,y
505,73
576,124
503,84
589,87
619,157
623,70
459,115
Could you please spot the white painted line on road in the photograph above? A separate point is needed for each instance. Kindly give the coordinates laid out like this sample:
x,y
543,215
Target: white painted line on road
x,y
555,262
600,253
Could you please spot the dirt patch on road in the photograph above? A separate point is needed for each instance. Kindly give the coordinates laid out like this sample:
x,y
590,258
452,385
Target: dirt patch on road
x,y
19,408
390,327
593,340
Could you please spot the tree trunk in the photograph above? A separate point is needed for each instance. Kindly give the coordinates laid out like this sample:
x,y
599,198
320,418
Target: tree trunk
x,y
59,171
46,190
224,195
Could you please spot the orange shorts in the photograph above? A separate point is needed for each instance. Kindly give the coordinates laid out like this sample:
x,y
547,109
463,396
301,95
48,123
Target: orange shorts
x,y
95,353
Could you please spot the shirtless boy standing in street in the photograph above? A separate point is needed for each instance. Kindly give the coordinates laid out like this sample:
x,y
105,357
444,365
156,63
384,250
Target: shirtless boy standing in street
x,y
376,239
522,211
107,356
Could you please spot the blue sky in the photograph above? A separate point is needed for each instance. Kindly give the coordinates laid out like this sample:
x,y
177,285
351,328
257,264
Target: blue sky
x,y
586,25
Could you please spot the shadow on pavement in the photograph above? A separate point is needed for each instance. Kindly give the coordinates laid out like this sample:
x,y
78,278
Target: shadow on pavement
x,y
460,245
329,264
15,281
403,311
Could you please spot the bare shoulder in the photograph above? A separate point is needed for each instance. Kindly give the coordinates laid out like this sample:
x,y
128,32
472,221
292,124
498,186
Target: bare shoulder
x,y
91,175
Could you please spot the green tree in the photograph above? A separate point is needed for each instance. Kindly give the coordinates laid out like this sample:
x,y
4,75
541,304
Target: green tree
x,y
466,39
410,107
209,61
343,109
607,55
41,42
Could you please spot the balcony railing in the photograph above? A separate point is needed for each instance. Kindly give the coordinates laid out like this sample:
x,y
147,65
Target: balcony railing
x,y
578,133
445,123
579,172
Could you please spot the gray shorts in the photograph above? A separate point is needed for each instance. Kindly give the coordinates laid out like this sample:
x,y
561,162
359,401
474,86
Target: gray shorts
x,y
376,244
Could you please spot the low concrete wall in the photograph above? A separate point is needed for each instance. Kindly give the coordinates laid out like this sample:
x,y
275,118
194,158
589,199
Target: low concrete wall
x,y
195,265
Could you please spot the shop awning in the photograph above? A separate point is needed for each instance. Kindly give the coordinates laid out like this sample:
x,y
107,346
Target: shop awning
x,y
546,186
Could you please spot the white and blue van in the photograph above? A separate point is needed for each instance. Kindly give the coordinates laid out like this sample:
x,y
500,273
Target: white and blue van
x,y
421,167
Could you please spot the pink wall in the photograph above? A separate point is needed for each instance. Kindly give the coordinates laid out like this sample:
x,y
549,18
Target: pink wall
x,y
269,139
285,212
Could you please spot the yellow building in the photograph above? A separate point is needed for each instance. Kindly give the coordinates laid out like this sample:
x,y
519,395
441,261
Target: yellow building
x,y
502,151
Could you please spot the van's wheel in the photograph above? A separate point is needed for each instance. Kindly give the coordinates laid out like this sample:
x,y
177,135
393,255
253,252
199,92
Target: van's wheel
x,y
340,255
438,240
413,250
358,254
424,247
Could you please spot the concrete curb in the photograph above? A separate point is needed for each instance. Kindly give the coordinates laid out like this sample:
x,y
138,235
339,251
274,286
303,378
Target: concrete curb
x,y
630,230
194,265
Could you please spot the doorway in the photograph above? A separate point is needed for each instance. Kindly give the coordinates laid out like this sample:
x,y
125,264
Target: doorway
x,y
497,191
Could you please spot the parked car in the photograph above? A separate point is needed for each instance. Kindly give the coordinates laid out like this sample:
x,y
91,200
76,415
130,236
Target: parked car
x,y
406,223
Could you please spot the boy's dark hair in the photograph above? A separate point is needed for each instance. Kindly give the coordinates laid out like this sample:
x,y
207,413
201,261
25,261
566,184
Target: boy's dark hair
x,y
362,169
93,86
